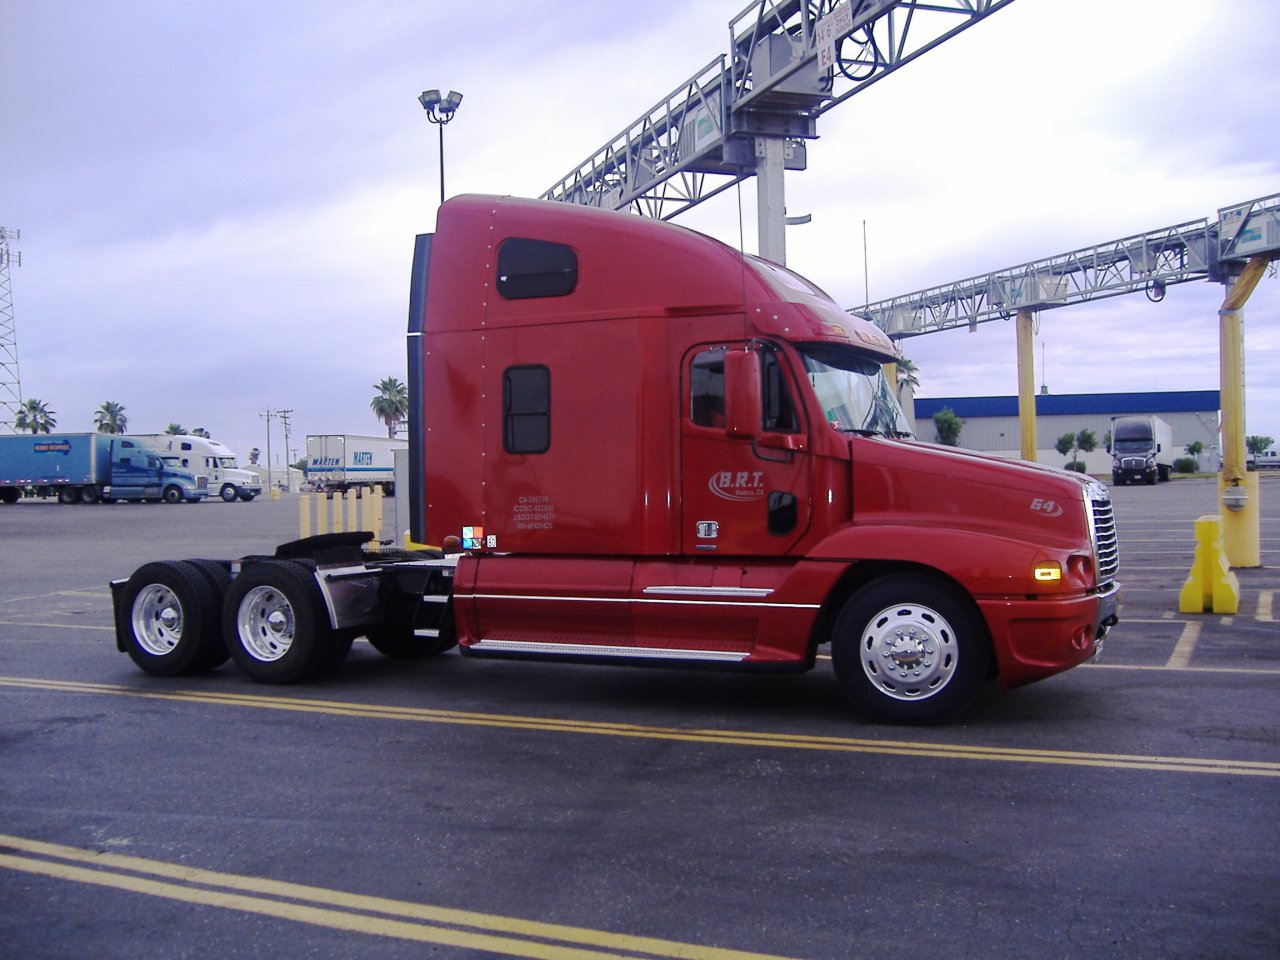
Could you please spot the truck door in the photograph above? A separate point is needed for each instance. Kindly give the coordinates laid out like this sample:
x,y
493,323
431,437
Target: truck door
x,y
745,471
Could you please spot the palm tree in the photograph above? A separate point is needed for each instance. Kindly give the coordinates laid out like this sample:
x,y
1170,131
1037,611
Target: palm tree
x,y
390,404
35,416
174,429
110,418
908,376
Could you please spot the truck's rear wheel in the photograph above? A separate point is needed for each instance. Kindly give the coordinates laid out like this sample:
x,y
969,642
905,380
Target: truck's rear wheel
x,y
909,648
68,494
217,574
275,623
169,619
90,495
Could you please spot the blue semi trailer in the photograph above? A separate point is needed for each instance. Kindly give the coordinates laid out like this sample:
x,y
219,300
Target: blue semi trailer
x,y
91,468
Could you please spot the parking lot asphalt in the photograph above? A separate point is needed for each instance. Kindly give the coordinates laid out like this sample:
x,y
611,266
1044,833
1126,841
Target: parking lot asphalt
x,y
466,809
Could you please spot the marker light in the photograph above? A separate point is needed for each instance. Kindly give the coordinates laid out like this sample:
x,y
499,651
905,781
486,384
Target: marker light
x,y
1047,572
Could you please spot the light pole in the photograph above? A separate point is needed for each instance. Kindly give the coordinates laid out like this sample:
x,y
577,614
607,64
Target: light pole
x,y
440,111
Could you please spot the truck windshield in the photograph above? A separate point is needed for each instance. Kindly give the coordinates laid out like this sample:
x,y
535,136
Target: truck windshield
x,y
1133,446
853,391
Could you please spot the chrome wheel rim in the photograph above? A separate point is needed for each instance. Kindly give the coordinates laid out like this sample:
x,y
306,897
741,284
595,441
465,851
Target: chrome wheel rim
x,y
266,624
909,652
157,620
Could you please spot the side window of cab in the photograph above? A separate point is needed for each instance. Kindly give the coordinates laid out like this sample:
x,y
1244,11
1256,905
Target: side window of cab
x,y
706,388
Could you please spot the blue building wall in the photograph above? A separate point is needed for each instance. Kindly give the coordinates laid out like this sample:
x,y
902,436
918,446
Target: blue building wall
x,y
1075,404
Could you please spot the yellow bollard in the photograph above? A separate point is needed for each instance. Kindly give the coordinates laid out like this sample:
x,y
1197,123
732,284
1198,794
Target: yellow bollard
x,y
304,516
1211,586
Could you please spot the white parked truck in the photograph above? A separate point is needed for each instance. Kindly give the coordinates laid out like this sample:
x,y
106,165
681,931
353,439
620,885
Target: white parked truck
x,y
1141,449
344,461
205,458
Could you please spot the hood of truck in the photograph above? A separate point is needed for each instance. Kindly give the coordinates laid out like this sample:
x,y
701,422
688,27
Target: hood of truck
x,y
923,484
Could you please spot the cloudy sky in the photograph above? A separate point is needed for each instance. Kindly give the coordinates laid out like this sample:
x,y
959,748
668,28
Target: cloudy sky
x,y
218,201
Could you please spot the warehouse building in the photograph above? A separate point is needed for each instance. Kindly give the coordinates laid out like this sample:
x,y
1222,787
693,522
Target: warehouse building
x,y
991,423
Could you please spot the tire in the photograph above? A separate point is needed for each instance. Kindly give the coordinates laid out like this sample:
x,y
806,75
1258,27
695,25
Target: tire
x,y
931,636
172,495
217,574
228,492
10,494
168,619
90,495
68,494
275,624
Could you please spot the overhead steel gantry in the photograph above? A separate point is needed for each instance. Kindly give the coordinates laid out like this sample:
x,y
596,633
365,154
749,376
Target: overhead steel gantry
x,y
1234,250
749,112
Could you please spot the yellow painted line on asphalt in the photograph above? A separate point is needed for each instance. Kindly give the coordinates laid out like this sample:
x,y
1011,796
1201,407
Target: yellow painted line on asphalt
x,y
1181,656
1165,668
59,626
902,748
339,910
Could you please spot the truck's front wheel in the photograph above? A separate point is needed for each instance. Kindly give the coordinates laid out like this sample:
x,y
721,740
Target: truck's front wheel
x,y
910,648
168,617
275,623
228,492
172,494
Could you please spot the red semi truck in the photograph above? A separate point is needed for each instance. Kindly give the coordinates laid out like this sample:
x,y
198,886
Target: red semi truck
x,y
634,444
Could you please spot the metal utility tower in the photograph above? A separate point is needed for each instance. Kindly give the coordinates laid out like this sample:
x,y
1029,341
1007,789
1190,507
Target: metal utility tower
x,y
10,382
748,113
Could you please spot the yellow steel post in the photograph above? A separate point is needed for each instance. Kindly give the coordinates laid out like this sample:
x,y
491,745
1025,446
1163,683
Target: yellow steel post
x,y
1237,488
376,502
1027,384
304,516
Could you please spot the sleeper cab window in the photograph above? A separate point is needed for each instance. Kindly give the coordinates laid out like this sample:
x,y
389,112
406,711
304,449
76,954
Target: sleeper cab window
x,y
526,409
530,269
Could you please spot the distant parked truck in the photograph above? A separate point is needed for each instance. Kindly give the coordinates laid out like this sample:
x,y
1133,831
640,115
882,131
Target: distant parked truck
x,y
205,458
91,468
343,461
1141,449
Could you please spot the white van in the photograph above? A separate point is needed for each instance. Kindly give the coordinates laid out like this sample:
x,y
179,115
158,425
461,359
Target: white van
x,y
207,458
1269,459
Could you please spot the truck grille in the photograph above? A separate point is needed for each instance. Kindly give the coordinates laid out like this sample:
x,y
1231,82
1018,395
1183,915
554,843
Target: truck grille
x,y
1102,523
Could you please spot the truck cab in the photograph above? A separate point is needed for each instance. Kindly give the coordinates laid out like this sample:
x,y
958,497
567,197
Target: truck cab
x,y
207,458
653,448
137,473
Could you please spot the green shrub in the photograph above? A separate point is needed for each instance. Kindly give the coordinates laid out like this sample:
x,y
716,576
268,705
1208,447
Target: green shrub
x,y
1076,465
1185,465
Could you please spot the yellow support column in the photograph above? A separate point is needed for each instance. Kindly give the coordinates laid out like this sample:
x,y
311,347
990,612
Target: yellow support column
x,y
1027,384
304,516
1237,489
